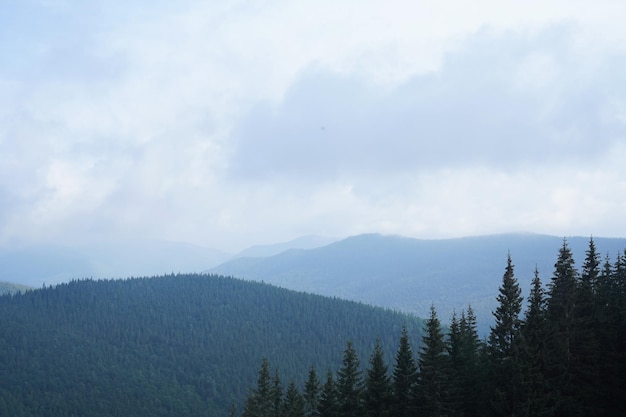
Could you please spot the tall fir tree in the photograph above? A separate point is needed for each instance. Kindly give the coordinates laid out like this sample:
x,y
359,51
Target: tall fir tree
x,y
470,372
349,384
404,378
312,394
432,388
585,348
504,343
277,394
562,296
293,404
260,402
533,352
377,394
327,406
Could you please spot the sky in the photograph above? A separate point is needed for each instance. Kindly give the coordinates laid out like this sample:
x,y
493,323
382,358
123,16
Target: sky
x,y
233,123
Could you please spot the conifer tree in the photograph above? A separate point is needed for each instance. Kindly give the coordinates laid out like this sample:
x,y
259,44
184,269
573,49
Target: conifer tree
x,y
504,343
311,394
377,394
585,347
293,405
560,314
327,406
471,372
260,402
535,333
277,394
349,384
404,377
432,388
457,364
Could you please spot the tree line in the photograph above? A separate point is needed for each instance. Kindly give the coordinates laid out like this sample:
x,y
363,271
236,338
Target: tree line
x,y
563,355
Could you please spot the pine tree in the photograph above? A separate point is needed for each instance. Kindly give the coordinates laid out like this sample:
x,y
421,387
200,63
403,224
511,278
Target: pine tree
x,y
457,364
349,384
260,402
327,406
293,405
560,314
404,377
584,346
533,352
470,373
432,388
277,394
504,343
377,394
312,394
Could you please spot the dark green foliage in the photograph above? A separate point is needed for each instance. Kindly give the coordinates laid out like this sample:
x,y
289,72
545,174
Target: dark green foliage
x,y
312,394
260,402
293,405
328,397
560,312
504,347
533,352
377,394
183,345
433,384
404,377
349,384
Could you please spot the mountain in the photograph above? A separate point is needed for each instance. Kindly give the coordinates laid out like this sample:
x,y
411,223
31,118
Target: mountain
x,y
10,288
304,242
40,265
411,274
184,345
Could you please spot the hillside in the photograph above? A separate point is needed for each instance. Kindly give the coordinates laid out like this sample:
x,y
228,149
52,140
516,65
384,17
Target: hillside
x,y
411,274
10,288
183,345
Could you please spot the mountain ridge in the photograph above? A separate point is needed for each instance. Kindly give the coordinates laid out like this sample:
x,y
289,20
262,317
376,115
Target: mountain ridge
x,y
411,274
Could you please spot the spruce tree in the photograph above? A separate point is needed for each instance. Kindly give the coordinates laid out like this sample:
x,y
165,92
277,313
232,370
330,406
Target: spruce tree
x,y
432,388
349,384
260,402
504,343
585,347
277,394
403,378
293,404
327,406
535,333
470,379
311,394
560,313
377,394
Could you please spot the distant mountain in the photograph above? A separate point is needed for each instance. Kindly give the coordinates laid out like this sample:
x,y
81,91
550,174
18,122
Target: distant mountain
x,y
304,242
176,345
10,288
411,274
49,264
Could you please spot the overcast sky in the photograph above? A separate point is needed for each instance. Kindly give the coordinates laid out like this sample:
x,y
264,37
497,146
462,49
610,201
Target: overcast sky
x,y
233,123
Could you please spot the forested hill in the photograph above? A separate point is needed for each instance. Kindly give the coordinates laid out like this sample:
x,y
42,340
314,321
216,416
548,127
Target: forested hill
x,y
183,345
410,275
9,287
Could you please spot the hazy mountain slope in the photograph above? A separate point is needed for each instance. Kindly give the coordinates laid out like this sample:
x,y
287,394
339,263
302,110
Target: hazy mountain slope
x,y
184,345
10,288
39,265
304,242
410,274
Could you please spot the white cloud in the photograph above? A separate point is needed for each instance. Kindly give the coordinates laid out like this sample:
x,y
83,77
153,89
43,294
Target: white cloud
x,y
231,123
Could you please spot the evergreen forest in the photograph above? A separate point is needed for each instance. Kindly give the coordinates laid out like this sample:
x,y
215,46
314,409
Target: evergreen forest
x,y
176,345
560,353
209,345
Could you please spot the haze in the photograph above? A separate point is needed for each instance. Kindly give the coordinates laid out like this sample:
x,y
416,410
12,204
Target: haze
x,y
227,124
